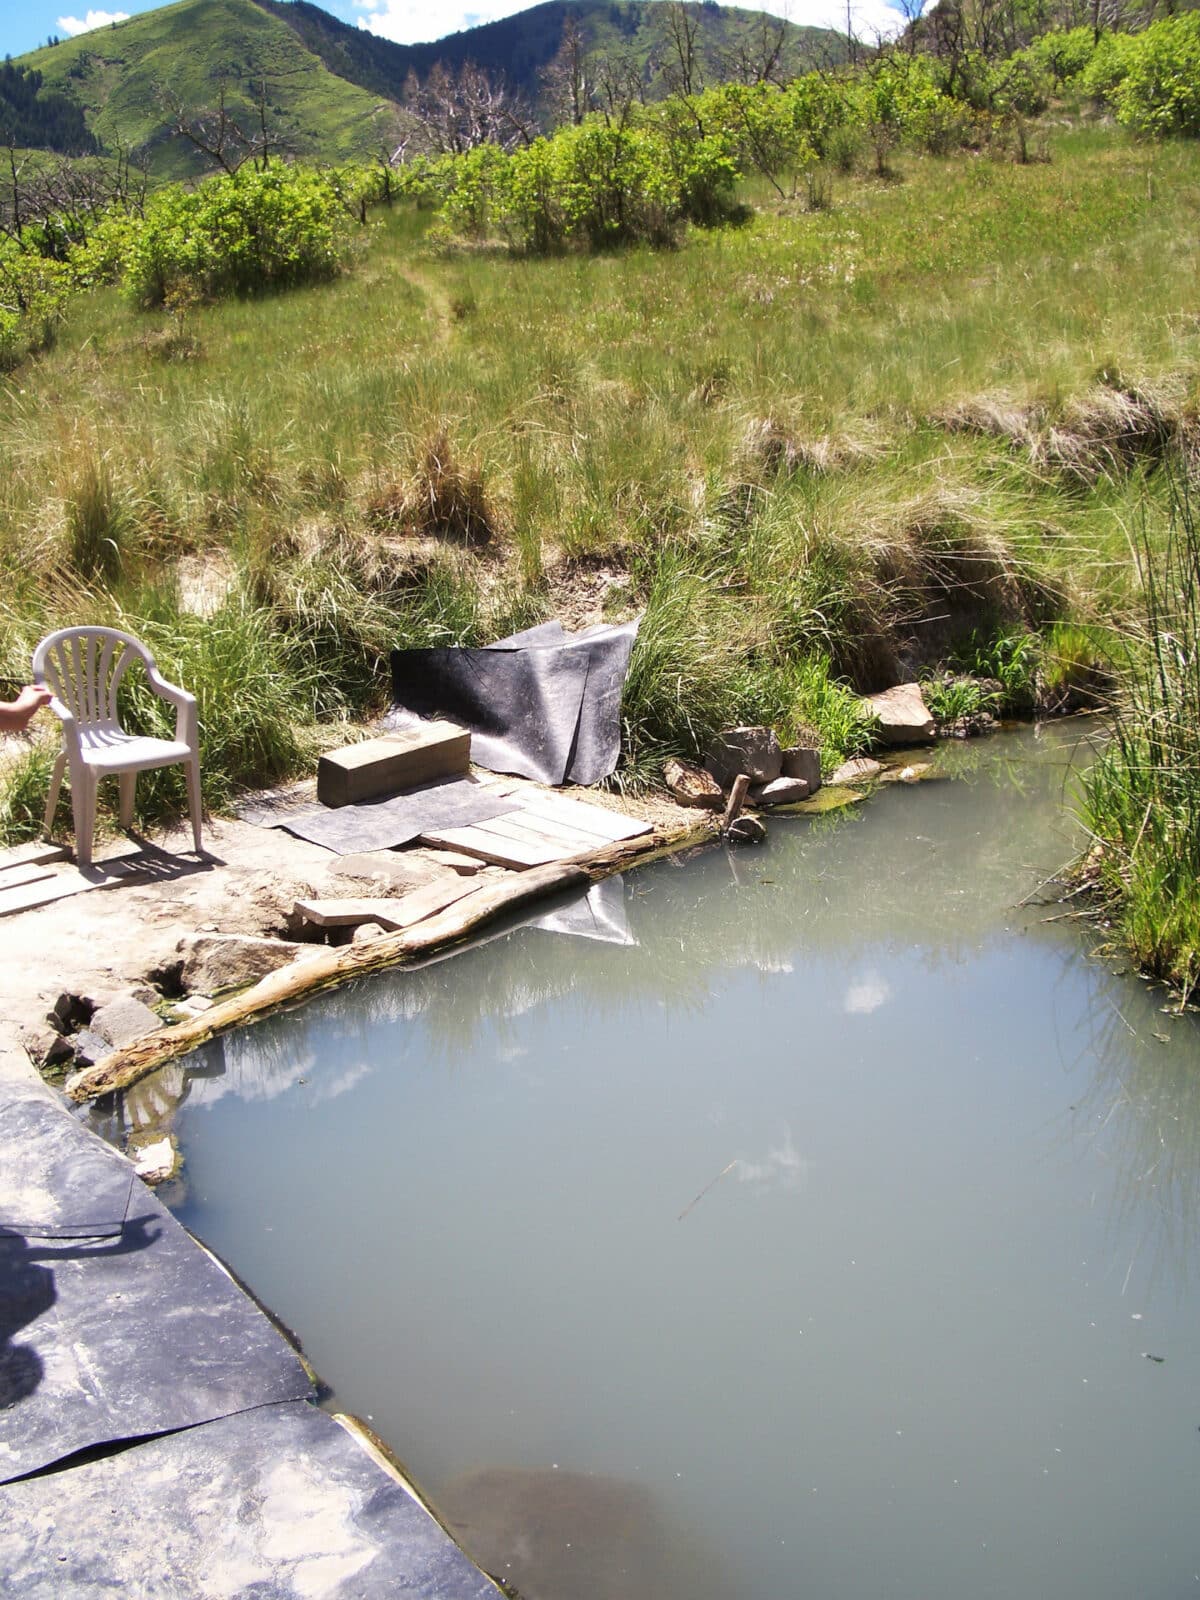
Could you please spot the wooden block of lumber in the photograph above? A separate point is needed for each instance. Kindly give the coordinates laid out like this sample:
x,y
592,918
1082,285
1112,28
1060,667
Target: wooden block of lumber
x,y
397,761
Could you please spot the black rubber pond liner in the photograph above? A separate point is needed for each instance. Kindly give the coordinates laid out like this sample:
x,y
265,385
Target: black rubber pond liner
x,y
279,1503
114,1323
387,824
543,704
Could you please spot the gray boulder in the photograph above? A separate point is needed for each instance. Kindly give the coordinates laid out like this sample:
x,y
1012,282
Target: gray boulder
x,y
122,1021
803,761
784,791
754,751
904,717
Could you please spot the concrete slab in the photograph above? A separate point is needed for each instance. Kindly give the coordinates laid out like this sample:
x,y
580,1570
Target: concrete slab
x,y
114,1323
279,1503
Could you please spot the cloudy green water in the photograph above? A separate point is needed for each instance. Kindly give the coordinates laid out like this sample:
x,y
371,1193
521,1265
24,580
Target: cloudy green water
x,y
814,1242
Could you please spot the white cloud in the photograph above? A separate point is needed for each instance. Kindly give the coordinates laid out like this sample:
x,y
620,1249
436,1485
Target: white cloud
x,y
93,19
418,21
867,995
783,1167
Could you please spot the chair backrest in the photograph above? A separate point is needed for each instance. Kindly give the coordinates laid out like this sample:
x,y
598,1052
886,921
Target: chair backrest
x,y
84,667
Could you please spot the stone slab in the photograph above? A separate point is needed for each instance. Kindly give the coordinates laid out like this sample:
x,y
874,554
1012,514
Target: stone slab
x,y
114,1323
281,1503
398,761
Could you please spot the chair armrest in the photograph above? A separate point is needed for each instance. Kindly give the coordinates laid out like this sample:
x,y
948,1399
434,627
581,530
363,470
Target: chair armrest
x,y
184,703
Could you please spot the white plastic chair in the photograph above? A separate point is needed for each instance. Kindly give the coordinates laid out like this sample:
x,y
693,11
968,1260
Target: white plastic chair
x,y
83,669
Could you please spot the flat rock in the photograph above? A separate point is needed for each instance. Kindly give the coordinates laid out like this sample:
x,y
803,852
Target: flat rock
x,y
399,872
783,792
803,761
213,962
860,769
89,1048
754,751
122,1021
692,786
904,718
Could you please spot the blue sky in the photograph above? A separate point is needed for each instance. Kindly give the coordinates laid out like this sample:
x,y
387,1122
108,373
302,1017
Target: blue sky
x,y
25,24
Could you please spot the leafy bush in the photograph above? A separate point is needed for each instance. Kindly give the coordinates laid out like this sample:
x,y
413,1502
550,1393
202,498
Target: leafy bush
x,y
1160,91
33,291
238,234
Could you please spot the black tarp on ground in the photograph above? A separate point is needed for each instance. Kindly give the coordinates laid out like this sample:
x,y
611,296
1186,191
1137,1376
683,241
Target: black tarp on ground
x,y
386,824
114,1323
280,1503
543,704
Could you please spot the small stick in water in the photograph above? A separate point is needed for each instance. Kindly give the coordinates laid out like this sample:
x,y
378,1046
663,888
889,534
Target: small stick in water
x,y
711,1184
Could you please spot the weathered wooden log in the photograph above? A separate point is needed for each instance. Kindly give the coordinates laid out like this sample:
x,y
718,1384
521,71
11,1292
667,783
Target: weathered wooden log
x,y
737,799
331,967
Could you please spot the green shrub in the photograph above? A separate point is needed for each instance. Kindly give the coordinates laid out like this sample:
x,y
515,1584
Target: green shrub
x,y
1160,91
238,234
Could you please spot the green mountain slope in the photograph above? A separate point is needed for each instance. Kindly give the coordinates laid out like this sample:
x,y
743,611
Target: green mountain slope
x,y
192,50
331,88
521,45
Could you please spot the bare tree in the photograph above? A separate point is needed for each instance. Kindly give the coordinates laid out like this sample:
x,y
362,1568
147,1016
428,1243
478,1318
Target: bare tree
x,y
226,139
456,111
619,85
567,79
759,56
679,56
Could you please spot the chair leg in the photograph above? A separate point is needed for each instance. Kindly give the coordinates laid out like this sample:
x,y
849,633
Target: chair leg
x,y
127,783
193,786
56,778
83,807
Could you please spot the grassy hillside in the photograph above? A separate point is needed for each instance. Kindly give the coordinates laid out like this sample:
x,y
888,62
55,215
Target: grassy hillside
x,y
117,74
909,429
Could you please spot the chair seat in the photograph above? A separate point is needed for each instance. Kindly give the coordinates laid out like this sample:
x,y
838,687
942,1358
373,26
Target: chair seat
x,y
111,750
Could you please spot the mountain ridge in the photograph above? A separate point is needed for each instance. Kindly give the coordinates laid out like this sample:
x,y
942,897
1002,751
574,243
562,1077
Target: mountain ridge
x,y
333,91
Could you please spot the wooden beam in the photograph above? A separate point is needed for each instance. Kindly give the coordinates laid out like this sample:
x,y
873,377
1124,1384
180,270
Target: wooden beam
x,y
331,967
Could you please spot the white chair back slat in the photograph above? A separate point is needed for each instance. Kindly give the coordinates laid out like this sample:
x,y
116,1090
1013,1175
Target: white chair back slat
x,y
91,686
110,678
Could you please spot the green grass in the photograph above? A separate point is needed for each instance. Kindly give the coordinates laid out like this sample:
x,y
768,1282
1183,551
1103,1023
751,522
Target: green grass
x,y
1142,795
821,451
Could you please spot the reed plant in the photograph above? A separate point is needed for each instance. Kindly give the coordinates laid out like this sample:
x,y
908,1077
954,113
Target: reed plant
x,y
1141,798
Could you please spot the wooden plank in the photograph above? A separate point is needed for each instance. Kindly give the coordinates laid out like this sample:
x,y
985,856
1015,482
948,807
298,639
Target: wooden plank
x,y
609,825
36,853
527,825
13,877
397,761
63,884
478,840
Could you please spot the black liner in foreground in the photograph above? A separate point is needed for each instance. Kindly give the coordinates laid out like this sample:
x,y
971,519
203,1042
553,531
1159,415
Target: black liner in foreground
x,y
278,1503
113,1323
543,704
386,824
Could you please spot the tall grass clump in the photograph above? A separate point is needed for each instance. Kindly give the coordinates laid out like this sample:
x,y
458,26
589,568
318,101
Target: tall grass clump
x,y
100,525
1141,798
